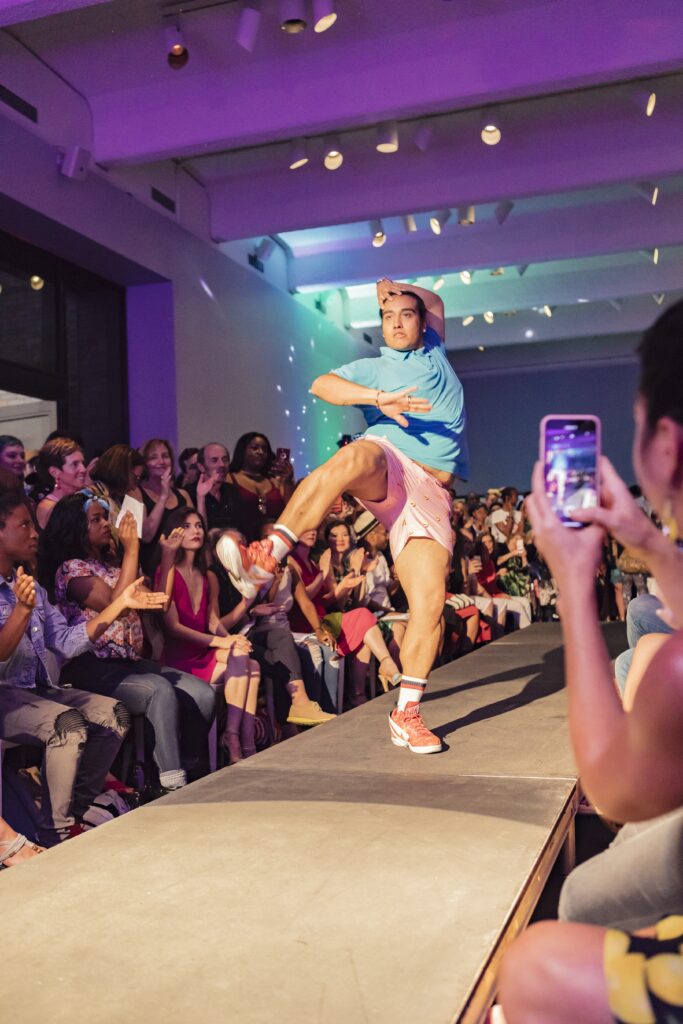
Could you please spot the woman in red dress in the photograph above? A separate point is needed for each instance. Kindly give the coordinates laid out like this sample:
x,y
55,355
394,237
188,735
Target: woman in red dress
x,y
195,639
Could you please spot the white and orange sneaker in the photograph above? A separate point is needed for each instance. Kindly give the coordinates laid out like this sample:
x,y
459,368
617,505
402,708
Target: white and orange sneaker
x,y
250,568
407,729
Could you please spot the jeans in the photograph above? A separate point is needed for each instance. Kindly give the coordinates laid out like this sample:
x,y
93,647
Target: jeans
x,y
635,882
81,733
641,618
176,705
320,667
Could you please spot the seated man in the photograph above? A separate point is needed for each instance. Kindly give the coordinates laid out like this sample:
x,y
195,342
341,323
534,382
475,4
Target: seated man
x,y
80,732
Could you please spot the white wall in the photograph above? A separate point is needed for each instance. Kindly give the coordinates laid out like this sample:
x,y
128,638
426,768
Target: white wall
x,y
208,348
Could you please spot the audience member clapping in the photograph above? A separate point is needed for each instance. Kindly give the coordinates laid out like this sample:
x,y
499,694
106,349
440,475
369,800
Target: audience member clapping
x,y
215,499
160,497
79,566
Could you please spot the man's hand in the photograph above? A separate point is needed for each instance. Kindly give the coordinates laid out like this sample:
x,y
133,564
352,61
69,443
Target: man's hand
x,y
204,484
25,590
386,290
394,403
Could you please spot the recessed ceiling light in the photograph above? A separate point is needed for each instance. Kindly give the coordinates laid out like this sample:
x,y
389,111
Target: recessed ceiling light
x,y
655,256
491,133
466,276
177,53
387,138
547,310
583,300
439,220
644,97
498,272
489,317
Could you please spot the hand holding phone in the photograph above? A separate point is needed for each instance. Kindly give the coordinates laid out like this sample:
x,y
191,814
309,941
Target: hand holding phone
x,y
570,452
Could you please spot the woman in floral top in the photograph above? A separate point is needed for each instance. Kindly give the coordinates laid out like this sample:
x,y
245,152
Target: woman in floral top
x,y
78,566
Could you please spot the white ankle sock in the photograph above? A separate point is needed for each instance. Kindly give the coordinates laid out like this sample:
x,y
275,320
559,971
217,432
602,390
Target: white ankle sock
x,y
284,541
411,691
174,779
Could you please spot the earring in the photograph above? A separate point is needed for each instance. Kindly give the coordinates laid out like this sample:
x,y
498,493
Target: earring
x,y
669,520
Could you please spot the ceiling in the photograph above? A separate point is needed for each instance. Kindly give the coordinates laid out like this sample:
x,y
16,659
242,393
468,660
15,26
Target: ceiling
x,y
563,79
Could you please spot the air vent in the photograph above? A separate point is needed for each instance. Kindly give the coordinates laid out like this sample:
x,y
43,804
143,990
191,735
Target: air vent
x,y
163,200
16,103
368,338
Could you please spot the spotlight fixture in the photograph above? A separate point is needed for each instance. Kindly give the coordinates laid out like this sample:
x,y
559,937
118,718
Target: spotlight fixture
x,y
655,256
489,317
247,30
292,16
36,282
298,154
659,298
177,53
617,304
503,210
645,98
387,138
498,272
547,310
324,15
465,215
439,220
481,348
648,191
333,158
490,132
409,223
378,234
467,320
522,269
466,276
423,136
529,333
439,282
264,250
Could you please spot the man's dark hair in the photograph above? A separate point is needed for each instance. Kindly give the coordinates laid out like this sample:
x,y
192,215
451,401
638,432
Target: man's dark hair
x,y
9,441
507,492
661,367
185,456
419,304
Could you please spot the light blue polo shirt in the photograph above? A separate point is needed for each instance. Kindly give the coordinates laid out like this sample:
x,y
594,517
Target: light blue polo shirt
x,y
437,438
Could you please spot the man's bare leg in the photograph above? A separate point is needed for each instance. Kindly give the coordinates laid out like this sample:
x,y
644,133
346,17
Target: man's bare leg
x,y
421,569
360,468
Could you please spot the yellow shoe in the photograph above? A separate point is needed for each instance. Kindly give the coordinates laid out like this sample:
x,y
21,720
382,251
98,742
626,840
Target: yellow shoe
x,y
308,712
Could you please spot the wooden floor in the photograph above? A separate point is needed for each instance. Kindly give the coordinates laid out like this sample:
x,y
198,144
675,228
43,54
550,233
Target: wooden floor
x,y
331,878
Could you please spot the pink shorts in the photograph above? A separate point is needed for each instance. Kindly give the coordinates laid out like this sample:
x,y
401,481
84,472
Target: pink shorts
x,y
416,505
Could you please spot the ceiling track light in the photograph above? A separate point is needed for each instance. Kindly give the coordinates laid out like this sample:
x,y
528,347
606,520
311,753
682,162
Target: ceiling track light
x,y
409,223
659,298
439,282
333,157
439,220
489,317
177,53
293,16
298,154
467,320
490,131
423,136
387,138
648,191
617,304
264,250
466,276
503,211
465,216
324,15
378,234
247,29
547,310
645,98
36,282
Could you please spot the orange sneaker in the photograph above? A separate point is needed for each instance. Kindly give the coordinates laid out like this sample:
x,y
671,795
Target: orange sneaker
x,y
407,729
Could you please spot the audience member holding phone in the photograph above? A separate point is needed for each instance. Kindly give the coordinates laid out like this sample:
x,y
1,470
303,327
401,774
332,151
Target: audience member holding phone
x,y
630,761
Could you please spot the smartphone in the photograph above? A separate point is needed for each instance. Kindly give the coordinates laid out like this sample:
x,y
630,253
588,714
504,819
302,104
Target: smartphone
x,y
281,460
570,453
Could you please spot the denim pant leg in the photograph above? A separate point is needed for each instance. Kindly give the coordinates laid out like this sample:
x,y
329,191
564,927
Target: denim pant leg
x,y
197,710
320,669
642,618
144,691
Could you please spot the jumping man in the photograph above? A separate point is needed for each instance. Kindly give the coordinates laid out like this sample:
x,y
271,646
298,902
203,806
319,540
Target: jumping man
x,y
414,445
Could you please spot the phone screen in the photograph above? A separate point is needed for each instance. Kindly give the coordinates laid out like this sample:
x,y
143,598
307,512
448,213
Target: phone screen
x,y
570,450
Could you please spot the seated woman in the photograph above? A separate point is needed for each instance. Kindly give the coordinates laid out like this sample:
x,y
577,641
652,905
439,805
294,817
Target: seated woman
x,y
345,564
79,566
354,633
114,474
381,584
195,639
588,967
261,494
160,497
61,465
485,580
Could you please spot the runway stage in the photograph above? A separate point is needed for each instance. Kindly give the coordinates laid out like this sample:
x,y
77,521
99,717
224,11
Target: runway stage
x,y
297,886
